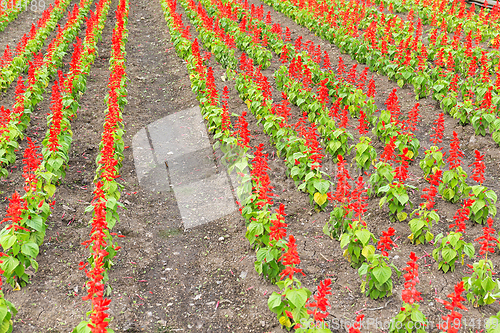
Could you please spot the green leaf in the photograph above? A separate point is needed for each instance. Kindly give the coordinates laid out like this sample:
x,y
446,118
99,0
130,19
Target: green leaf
x,y
7,241
368,250
449,254
469,250
50,189
363,235
298,297
36,223
322,186
382,274
274,301
30,249
9,264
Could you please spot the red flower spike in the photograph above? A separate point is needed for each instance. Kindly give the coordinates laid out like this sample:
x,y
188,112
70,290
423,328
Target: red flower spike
x,y
455,152
401,171
341,67
277,230
410,294
453,321
342,192
385,243
479,168
357,324
371,88
388,153
319,311
488,241
290,259
437,136
462,215
358,199
413,118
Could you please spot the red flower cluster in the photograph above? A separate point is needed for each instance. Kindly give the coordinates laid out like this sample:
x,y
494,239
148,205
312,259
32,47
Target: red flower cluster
x,y
320,313
261,178
479,168
363,126
434,180
32,159
343,189
392,104
225,119
455,152
401,171
388,153
95,285
453,321
357,200
410,294
462,215
16,207
488,240
355,328
290,259
243,132
437,136
386,243
57,115
277,230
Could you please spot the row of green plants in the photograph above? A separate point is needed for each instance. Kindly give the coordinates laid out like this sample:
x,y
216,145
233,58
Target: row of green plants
x,y
105,203
391,49
31,43
14,123
376,284
27,214
9,14
276,256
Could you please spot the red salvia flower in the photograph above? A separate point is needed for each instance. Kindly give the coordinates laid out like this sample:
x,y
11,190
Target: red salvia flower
x,y
358,199
488,240
55,126
413,118
410,294
385,243
326,61
243,132
453,321
225,120
371,88
401,171
342,192
31,160
479,168
462,215
321,302
290,259
392,104
341,67
388,153
455,152
351,77
431,191
355,328
363,127
13,215
362,79
277,230
344,120
437,136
